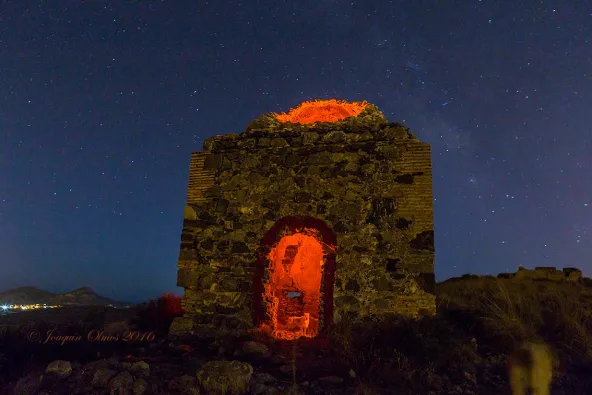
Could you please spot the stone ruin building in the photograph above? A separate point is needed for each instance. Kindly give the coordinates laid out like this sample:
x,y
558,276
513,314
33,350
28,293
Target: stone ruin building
x,y
304,218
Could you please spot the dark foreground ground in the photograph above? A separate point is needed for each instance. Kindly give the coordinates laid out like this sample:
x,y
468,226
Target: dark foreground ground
x,y
461,351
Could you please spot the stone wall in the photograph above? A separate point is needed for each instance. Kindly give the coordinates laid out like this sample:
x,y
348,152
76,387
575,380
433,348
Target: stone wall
x,y
548,273
369,181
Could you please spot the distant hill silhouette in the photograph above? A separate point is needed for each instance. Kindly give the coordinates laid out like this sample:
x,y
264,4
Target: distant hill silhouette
x,y
84,296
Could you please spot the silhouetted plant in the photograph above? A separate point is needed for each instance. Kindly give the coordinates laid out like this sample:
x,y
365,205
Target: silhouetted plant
x,y
170,304
95,318
157,315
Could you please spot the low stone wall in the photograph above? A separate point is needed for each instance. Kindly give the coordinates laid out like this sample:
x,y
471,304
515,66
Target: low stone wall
x,y
549,273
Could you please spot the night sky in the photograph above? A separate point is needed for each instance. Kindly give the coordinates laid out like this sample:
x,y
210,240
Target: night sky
x,y
101,106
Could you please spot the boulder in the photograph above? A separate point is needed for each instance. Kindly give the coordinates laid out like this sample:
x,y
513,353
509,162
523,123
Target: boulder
x,y
226,377
62,369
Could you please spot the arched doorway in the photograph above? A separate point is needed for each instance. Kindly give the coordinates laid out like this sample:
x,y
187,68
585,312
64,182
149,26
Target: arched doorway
x,y
293,284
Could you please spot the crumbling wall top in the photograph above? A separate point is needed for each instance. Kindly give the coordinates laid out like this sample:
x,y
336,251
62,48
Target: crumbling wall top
x,y
364,119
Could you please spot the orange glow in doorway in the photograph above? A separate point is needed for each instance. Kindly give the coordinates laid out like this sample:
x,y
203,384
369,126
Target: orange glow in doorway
x,y
322,111
294,290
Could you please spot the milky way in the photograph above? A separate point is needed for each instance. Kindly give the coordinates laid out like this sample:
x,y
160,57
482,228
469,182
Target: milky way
x,y
101,106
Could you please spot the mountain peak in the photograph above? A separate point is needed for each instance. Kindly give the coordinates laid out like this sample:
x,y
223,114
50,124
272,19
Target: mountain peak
x,y
83,296
83,290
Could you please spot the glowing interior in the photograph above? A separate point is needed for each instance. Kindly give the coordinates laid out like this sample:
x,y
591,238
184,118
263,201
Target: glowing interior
x,y
322,111
293,292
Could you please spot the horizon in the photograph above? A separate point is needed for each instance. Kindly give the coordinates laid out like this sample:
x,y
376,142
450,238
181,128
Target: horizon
x,y
180,293
103,106
94,290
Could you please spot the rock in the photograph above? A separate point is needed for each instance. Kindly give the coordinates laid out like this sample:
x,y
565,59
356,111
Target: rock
x,y
258,388
182,383
113,363
192,364
287,369
116,329
435,382
49,380
174,384
262,389
187,381
27,385
265,378
140,386
102,376
183,349
471,377
255,348
140,369
123,381
278,359
62,369
96,365
330,380
180,326
228,377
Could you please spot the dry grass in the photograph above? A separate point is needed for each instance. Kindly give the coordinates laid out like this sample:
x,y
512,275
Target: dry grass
x,y
403,353
512,311
476,317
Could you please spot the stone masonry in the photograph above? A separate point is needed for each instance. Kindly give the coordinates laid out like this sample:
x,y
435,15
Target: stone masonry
x,y
549,273
364,183
545,273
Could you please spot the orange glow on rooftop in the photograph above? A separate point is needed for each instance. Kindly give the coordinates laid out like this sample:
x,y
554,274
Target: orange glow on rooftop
x,y
331,110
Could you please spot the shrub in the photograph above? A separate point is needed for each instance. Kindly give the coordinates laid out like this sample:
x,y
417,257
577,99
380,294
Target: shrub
x,y
157,315
170,304
398,351
511,311
478,321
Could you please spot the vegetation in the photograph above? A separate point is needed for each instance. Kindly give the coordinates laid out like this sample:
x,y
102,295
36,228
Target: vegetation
x,y
479,321
20,352
158,314
512,311
461,350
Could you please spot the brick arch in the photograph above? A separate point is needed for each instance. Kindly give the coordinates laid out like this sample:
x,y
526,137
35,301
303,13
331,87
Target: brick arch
x,y
292,224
